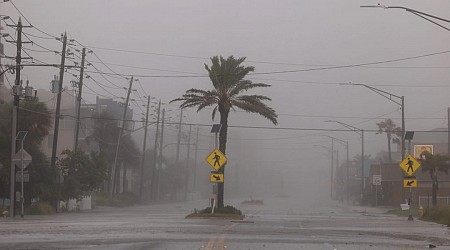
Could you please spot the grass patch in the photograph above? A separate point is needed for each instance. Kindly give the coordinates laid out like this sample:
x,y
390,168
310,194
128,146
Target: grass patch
x,y
404,213
120,200
438,214
40,208
227,212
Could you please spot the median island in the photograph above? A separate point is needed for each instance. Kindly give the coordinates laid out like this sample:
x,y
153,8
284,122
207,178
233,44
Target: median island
x,y
223,213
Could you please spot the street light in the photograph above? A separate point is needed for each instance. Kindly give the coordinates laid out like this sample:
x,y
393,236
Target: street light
x,y
360,132
332,155
390,96
415,12
345,143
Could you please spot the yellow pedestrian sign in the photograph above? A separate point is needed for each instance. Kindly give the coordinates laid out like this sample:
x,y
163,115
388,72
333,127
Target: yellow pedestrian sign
x,y
409,183
410,165
215,178
216,159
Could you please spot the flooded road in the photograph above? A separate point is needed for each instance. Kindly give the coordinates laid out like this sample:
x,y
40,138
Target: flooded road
x,y
281,223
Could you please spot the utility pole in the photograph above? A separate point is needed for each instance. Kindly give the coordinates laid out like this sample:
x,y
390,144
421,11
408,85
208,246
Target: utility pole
x,y
80,88
187,163
331,176
195,164
155,156
141,183
112,177
58,104
15,109
448,132
160,155
179,136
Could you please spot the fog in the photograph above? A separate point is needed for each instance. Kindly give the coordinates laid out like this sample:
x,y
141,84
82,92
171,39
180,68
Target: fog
x,y
296,46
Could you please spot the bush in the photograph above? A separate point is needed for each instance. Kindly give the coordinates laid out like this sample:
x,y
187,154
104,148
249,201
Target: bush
x,y
40,208
438,214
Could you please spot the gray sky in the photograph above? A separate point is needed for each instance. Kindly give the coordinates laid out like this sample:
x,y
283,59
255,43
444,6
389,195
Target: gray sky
x,y
180,36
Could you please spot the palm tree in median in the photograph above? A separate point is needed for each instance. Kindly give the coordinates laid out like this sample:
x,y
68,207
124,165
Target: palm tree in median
x,y
227,77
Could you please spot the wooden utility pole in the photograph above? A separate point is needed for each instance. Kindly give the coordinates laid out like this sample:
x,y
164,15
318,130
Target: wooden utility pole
x,y
114,167
58,102
187,163
80,89
155,156
160,155
179,136
141,182
15,109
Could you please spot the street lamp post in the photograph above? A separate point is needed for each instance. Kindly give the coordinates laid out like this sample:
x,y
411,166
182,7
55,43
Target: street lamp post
x,y
332,161
345,143
360,132
400,101
420,14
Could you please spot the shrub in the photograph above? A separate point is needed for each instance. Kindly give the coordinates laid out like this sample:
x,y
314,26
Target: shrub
x,y
40,208
120,200
438,214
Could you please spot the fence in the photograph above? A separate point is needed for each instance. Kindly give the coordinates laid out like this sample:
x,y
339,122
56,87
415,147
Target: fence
x,y
427,200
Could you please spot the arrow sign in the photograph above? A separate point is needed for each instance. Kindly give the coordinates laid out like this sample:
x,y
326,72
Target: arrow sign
x,y
216,178
409,183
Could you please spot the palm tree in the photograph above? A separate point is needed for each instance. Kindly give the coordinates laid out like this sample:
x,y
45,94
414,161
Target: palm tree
x,y
227,77
388,126
432,164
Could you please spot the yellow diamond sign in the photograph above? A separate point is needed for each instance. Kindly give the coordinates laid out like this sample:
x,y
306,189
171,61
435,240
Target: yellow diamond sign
x,y
410,165
216,159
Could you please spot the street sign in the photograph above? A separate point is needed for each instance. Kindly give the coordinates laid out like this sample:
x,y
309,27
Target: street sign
x,y
215,178
409,182
26,176
17,159
216,159
376,179
410,165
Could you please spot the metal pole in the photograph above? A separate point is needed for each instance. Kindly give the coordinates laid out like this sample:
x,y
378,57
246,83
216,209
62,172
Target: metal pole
x,y
448,132
21,171
403,127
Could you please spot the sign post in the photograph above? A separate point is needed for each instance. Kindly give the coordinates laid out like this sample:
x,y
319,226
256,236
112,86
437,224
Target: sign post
x,y
22,154
410,165
376,183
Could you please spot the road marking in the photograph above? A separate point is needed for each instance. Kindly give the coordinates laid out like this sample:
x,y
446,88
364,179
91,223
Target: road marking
x,y
210,243
220,239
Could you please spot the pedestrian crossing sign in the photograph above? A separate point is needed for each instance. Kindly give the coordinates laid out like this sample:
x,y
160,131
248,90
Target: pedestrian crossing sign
x,y
410,165
216,159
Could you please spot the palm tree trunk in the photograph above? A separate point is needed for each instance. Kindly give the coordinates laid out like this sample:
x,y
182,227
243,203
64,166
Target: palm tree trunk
x,y
222,147
389,147
124,178
434,187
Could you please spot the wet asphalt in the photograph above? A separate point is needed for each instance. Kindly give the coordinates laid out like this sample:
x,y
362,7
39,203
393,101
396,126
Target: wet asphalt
x,y
280,223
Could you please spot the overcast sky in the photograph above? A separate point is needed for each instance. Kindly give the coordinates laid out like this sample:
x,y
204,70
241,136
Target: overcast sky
x,y
176,38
